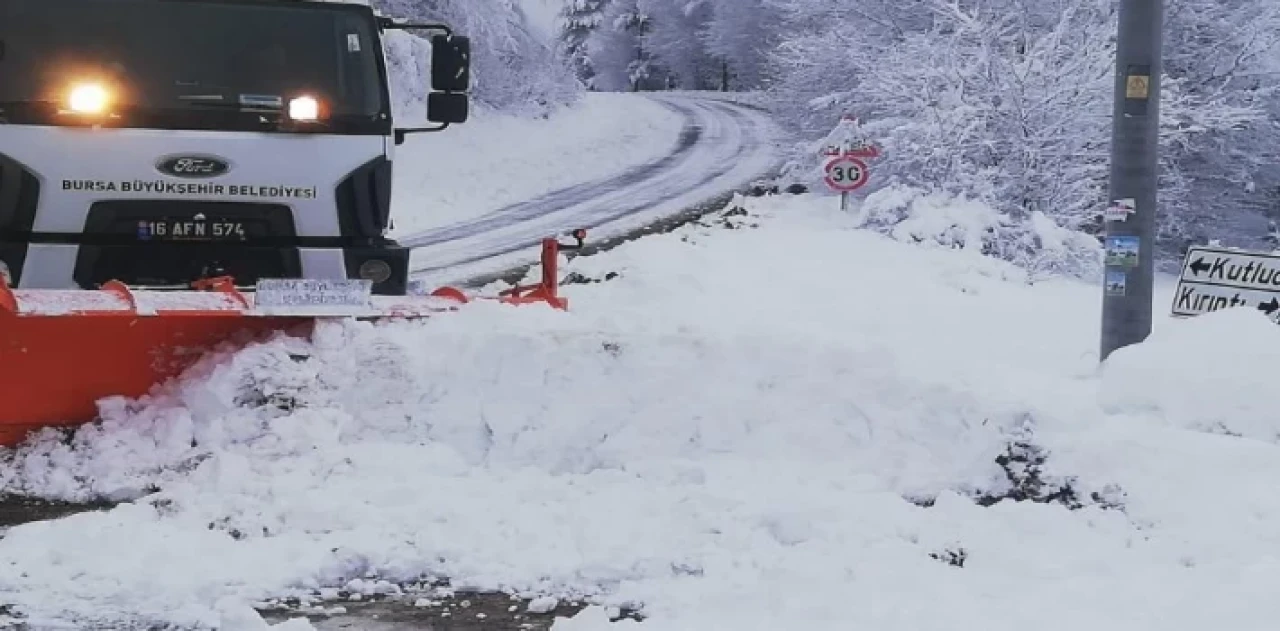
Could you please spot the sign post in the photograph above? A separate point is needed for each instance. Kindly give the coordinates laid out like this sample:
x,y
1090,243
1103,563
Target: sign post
x,y
846,152
1131,216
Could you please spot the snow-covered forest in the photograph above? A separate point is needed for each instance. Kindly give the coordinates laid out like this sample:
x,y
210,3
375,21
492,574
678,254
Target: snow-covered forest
x,y
1008,101
516,69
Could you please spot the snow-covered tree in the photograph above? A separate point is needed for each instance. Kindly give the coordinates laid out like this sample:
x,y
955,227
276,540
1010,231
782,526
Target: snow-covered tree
x,y
740,35
618,52
1003,99
673,40
513,68
578,20
697,44
1011,100
1221,133
1006,101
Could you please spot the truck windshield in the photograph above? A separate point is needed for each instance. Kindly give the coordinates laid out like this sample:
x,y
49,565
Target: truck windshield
x,y
196,64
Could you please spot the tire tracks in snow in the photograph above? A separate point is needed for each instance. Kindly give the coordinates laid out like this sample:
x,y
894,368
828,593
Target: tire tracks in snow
x,y
722,148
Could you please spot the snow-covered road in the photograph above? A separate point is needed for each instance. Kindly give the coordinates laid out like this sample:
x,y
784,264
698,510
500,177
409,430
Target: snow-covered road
x,y
722,147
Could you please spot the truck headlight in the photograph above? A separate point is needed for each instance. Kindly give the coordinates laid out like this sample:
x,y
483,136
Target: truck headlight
x,y
89,98
305,109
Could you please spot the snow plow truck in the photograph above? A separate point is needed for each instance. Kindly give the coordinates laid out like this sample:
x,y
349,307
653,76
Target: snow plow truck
x,y
179,174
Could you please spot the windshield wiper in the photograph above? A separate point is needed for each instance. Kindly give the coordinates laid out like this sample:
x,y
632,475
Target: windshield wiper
x,y
270,108
202,98
245,102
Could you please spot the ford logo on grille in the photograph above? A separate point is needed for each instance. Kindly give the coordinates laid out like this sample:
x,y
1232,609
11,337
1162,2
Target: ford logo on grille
x,y
193,166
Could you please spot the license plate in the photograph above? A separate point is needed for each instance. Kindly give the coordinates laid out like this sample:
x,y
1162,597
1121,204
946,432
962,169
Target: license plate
x,y
192,230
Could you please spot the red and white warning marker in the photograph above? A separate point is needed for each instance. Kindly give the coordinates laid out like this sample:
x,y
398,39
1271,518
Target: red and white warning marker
x,y
846,174
846,152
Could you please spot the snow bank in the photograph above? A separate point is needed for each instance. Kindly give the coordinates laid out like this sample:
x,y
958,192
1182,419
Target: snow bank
x,y
1036,242
1191,376
496,160
799,425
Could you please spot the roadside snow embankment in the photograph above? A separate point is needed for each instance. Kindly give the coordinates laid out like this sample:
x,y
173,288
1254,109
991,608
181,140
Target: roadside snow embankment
x,y
496,160
793,424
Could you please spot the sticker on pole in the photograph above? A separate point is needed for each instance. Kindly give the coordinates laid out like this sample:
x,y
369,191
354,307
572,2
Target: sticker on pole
x,y
300,295
1123,251
1120,210
1117,283
846,174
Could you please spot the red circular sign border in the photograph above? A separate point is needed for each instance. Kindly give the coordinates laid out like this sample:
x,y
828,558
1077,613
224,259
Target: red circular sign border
x,y
866,174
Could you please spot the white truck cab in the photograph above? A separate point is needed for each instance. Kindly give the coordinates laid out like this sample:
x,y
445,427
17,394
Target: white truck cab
x,y
161,142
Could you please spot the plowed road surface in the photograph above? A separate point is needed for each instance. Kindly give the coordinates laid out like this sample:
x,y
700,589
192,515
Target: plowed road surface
x,y
722,148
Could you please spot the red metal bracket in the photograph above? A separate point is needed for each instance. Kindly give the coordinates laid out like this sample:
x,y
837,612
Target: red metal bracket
x,y
8,301
223,285
451,293
548,290
122,290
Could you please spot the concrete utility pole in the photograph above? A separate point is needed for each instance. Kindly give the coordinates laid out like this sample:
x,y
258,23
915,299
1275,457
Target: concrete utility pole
x,y
1135,165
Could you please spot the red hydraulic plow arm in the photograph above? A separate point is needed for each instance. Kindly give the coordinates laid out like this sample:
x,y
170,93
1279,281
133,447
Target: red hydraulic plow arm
x,y
62,351
548,289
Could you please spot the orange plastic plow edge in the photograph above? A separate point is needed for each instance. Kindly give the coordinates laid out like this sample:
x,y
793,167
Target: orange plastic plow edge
x,y
54,369
62,351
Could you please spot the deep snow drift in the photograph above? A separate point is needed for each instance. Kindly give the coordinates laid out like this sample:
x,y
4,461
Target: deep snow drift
x,y
793,424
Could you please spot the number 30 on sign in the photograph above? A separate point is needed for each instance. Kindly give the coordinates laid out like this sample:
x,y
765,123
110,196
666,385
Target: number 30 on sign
x,y
846,173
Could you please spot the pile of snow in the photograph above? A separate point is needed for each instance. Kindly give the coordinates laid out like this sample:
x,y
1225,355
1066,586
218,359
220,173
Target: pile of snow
x,y
791,424
496,160
1189,379
1034,242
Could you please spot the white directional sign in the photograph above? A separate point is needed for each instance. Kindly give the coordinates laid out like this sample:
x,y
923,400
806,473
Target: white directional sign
x,y
1219,278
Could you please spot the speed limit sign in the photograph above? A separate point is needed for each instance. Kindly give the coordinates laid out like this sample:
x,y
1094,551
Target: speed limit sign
x,y
846,173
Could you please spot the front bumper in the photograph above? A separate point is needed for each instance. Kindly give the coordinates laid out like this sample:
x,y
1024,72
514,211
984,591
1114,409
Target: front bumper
x,y
53,264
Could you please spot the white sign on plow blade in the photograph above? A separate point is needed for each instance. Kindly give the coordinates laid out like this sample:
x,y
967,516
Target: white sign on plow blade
x,y
289,296
1217,278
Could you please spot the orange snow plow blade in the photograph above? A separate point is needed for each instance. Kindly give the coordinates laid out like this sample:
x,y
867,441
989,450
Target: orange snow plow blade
x,y
62,351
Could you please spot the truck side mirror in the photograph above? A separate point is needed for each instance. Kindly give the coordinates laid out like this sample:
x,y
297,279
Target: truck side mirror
x,y
450,63
448,107
447,102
